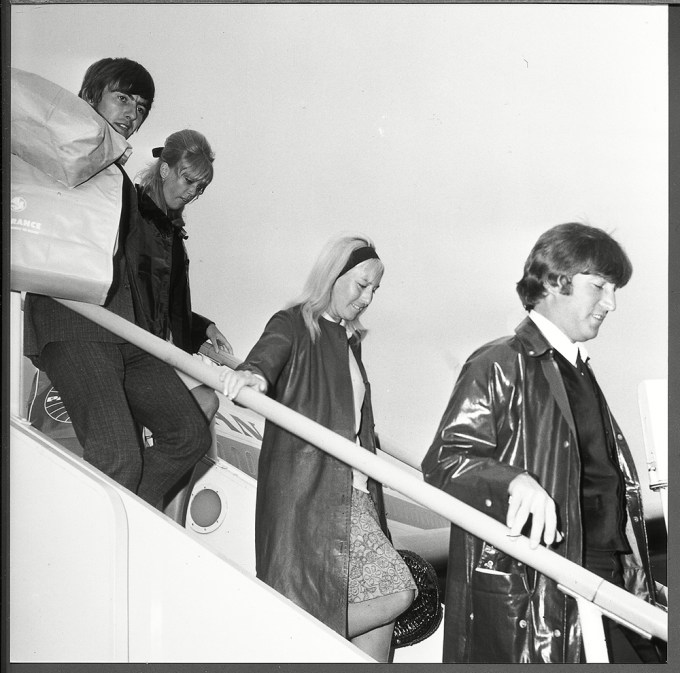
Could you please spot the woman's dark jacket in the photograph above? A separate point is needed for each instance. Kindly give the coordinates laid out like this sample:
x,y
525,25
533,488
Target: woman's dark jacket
x,y
302,514
508,413
158,270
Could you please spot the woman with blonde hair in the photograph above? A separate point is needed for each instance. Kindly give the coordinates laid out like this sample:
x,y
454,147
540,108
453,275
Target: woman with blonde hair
x,y
159,278
320,530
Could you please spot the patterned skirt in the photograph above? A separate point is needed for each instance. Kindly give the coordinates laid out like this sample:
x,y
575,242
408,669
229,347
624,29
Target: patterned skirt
x,y
375,566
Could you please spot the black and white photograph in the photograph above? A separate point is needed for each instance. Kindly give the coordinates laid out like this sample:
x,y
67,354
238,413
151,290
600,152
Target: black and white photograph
x,y
337,333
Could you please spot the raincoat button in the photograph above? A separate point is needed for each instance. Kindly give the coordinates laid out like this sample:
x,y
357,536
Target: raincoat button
x,y
557,633
487,502
471,617
523,623
566,444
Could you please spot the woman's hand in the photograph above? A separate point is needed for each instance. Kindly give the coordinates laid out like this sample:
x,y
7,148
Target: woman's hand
x,y
219,341
241,379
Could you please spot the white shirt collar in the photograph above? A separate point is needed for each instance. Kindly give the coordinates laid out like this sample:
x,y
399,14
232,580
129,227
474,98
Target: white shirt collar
x,y
558,339
340,322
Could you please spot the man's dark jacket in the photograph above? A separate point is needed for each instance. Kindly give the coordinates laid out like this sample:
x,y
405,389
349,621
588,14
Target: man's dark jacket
x,y
509,413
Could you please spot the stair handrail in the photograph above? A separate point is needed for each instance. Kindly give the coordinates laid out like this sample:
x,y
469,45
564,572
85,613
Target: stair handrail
x,y
572,579
384,444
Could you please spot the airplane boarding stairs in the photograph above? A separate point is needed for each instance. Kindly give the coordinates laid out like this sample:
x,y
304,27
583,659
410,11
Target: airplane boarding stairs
x,y
96,574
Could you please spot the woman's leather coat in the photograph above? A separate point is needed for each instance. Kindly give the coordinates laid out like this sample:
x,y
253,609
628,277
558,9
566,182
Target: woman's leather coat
x,y
302,514
508,413
161,295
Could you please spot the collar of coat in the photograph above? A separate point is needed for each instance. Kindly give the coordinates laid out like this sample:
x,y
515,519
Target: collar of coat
x,y
537,346
150,211
532,338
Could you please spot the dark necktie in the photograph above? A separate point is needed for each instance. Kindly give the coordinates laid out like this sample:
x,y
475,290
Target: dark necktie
x,y
580,365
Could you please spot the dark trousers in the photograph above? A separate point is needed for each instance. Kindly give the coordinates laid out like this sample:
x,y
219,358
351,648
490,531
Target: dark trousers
x,y
109,391
624,646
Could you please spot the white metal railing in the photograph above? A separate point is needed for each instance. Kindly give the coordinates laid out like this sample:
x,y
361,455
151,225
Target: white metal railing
x,y
572,578
653,403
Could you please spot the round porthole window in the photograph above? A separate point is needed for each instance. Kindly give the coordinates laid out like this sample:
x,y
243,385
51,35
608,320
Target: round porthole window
x,y
207,509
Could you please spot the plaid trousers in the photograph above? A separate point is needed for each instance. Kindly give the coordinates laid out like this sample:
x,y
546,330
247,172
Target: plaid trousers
x,y
109,390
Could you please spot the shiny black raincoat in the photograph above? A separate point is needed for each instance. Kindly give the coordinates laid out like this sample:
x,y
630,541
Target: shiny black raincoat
x,y
302,513
508,413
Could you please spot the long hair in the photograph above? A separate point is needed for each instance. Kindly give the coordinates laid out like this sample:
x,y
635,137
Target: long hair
x,y
186,152
316,294
119,74
565,250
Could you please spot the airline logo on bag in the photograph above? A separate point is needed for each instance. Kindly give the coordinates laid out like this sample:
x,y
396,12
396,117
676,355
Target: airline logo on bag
x,y
63,239
29,226
18,204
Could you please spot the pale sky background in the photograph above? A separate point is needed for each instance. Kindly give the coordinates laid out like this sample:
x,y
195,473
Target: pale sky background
x,y
453,135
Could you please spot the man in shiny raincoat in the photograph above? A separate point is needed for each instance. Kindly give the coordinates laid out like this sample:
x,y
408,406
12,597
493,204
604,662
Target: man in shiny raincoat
x,y
528,438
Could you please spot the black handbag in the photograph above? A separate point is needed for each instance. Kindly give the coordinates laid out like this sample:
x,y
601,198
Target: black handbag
x,y
424,615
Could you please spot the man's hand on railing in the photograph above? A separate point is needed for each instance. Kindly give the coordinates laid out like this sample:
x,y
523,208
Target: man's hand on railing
x,y
528,498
